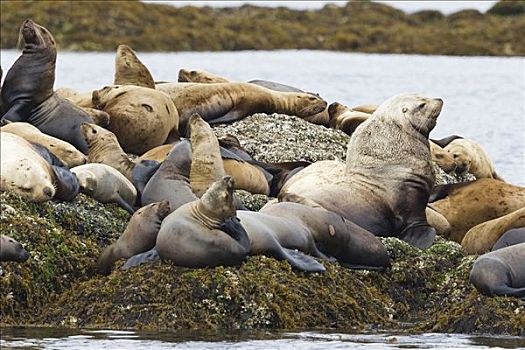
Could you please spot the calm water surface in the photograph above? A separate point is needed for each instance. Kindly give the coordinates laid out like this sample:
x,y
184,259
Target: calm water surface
x,y
56,339
484,96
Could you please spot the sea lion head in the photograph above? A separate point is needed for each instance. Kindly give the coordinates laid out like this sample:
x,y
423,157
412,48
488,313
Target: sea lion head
x,y
162,209
197,125
308,104
11,250
460,157
199,76
442,158
87,181
417,111
94,134
34,36
335,109
217,201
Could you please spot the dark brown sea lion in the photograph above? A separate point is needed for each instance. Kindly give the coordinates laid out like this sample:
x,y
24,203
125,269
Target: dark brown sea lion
x,y
501,272
140,235
129,70
11,250
228,102
388,176
27,92
468,204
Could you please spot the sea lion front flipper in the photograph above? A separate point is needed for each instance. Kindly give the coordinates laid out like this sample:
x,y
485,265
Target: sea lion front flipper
x,y
446,140
67,184
173,136
301,261
419,235
142,173
18,112
125,205
47,155
232,227
151,255
229,117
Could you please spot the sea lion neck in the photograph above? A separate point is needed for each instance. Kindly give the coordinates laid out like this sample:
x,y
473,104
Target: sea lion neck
x,y
206,217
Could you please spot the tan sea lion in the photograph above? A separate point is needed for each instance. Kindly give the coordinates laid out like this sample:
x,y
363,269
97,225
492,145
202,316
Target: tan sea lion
x,y
68,154
129,70
343,118
228,102
24,171
501,272
140,117
200,76
106,185
81,99
481,238
140,235
442,158
388,175
158,153
470,157
11,250
370,109
468,204
104,148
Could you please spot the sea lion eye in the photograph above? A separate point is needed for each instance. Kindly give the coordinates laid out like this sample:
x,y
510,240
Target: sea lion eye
x,y
94,131
404,110
422,105
455,155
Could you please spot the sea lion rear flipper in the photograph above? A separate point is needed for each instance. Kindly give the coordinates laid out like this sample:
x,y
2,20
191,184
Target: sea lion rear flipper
x,y
151,255
230,117
125,205
301,261
67,185
446,140
419,236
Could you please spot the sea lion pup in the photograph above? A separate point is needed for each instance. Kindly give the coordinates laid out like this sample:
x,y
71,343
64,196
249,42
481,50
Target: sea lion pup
x,y
11,250
470,157
468,204
510,238
68,154
442,158
351,245
106,185
200,76
140,117
27,92
129,70
388,176
481,238
344,119
24,171
501,272
228,102
202,233
140,236
104,148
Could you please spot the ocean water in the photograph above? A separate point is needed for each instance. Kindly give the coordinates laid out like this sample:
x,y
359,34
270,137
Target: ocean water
x,y
484,96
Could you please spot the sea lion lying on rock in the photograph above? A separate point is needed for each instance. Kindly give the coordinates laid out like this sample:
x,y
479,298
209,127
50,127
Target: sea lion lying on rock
x,y
468,204
501,272
388,175
469,156
11,250
200,76
27,92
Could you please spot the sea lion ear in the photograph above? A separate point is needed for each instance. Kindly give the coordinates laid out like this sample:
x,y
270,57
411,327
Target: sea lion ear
x,y
66,183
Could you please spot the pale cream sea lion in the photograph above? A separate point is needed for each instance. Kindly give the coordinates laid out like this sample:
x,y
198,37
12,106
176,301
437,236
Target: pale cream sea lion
x,y
471,157
200,76
129,70
442,158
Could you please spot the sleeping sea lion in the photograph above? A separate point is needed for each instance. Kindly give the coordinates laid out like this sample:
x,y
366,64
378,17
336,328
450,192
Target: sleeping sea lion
x,y
469,156
11,250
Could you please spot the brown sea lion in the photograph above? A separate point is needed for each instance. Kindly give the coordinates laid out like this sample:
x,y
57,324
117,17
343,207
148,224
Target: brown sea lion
x,y
470,157
370,109
481,238
140,117
200,76
104,148
510,238
26,172
158,153
228,102
468,204
11,250
343,118
442,158
140,235
68,154
27,92
501,272
129,70
388,175
106,185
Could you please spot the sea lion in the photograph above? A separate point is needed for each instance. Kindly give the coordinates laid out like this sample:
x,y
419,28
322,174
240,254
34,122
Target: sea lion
x,y
129,70
81,99
442,158
481,238
468,204
68,154
25,172
200,76
140,235
510,238
351,245
104,148
343,118
27,92
469,156
370,109
228,102
437,221
11,250
158,153
501,272
140,117
106,185
388,175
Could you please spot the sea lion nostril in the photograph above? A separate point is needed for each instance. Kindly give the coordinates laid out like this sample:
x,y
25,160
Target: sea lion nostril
x,y
48,191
